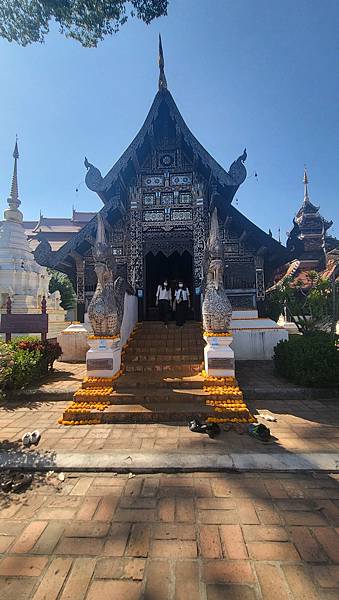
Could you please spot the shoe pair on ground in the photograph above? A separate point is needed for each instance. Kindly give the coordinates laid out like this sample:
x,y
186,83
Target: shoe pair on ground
x,y
211,429
29,439
16,482
260,432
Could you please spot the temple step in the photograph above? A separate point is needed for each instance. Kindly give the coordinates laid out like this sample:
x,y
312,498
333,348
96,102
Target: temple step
x,y
146,413
170,381
161,380
162,368
166,358
168,396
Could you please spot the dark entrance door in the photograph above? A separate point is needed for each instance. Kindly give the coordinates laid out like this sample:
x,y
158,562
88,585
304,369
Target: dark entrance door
x,y
173,267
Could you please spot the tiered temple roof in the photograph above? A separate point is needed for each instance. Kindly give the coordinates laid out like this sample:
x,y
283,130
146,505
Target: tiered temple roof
x,y
307,238
55,230
164,123
309,247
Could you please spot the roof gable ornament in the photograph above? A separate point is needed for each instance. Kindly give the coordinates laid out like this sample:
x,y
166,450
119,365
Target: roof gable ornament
x,y
162,76
237,169
93,179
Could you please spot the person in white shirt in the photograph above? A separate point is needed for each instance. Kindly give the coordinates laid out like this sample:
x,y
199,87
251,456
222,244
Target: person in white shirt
x,y
181,303
163,299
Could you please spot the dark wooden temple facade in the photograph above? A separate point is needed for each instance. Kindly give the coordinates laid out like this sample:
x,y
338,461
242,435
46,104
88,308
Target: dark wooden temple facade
x,y
157,202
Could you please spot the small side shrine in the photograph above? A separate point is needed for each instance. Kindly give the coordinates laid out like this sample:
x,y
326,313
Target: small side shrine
x,y
21,277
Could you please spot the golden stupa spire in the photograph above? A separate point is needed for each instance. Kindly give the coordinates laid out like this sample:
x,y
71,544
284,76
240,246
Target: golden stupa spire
x,y
12,213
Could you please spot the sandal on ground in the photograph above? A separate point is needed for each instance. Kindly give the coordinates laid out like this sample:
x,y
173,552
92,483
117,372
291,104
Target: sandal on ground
x,y
260,432
21,481
6,485
197,427
26,438
35,437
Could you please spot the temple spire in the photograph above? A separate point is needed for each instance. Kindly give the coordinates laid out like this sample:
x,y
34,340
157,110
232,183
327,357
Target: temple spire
x,y
305,180
162,76
13,214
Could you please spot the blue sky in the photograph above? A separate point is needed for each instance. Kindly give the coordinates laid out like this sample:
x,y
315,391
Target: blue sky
x,y
256,73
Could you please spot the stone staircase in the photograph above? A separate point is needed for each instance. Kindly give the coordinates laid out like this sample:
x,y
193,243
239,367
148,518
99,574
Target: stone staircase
x,y
161,381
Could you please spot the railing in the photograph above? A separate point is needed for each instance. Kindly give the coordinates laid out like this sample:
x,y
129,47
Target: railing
x,y
24,323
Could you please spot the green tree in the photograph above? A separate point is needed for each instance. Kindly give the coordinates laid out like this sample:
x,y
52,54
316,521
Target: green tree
x,y
311,310
87,21
62,283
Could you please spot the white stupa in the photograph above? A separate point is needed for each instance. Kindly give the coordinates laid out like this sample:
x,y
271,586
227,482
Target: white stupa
x,y
21,277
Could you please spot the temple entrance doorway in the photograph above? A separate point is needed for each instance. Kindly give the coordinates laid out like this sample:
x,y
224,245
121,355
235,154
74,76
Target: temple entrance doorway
x,y
173,267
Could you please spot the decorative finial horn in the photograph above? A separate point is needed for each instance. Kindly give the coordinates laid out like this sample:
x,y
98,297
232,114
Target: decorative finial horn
x,y
162,76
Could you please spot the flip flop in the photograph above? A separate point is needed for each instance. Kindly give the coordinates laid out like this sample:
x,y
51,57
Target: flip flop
x,y
258,432
26,438
6,485
35,437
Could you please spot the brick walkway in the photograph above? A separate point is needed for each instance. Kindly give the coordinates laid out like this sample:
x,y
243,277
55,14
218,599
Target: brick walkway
x,y
66,377
172,537
307,426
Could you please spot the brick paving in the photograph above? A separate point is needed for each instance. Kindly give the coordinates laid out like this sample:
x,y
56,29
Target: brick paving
x,y
172,537
67,377
301,426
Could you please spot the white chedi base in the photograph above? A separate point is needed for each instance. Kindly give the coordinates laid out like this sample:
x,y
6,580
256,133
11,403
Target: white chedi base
x,y
255,338
104,357
23,279
74,343
219,357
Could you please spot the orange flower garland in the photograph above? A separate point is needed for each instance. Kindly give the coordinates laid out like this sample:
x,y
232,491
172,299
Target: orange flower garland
x,y
226,397
103,337
94,393
211,334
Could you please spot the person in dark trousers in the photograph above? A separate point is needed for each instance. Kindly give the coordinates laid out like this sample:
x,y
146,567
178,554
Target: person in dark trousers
x,y
182,303
163,300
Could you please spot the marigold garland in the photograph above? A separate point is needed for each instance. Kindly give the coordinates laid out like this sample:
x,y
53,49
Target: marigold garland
x,y
103,337
211,334
226,397
210,378
91,396
102,391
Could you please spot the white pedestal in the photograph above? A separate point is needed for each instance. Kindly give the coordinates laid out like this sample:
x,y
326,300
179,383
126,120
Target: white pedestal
x,y
74,344
255,338
219,357
104,357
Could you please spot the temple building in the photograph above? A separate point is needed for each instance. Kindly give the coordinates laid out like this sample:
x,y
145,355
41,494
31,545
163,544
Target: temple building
x,y
309,245
56,231
157,202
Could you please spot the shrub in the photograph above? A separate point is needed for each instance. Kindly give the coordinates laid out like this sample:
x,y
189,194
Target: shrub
x,y
49,351
26,368
310,360
25,360
6,365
